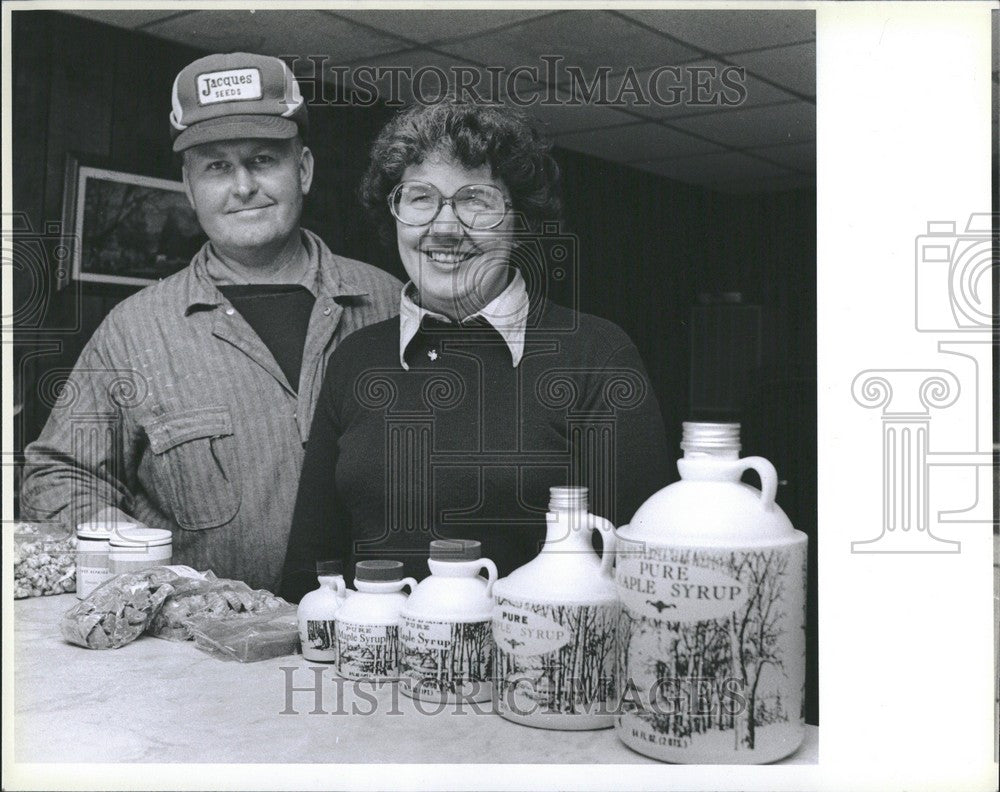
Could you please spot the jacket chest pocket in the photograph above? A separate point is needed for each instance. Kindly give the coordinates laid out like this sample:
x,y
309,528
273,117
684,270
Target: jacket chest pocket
x,y
195,463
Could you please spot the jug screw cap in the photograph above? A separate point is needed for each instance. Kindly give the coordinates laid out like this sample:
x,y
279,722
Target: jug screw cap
x,y
329,568
378,570
456,550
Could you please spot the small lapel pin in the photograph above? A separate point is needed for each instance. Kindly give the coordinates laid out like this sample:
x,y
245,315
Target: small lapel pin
x,y
433,354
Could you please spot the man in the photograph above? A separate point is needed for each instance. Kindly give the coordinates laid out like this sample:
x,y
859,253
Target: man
x,y
190,406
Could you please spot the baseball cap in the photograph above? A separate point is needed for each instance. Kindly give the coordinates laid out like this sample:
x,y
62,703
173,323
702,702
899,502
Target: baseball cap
x,y
235,95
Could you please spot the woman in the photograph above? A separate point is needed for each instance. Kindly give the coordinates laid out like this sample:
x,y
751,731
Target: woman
x,y
456,417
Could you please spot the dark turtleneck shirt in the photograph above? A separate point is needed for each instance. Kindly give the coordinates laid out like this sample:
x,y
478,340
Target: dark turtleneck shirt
x,y
466,445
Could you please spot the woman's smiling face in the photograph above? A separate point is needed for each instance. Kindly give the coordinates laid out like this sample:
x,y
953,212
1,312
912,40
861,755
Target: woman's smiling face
x,y
456,270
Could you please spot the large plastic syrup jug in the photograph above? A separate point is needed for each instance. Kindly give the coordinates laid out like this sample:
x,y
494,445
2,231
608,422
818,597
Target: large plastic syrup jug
x,y
711,576
445,633
554,625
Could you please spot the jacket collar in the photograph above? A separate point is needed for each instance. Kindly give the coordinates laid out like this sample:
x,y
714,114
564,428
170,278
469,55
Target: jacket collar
x,y
323,277
507,313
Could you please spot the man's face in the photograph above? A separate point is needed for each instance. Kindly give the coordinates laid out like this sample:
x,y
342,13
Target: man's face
x,y
248,193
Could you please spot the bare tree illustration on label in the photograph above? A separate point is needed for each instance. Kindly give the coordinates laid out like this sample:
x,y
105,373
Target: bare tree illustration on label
x,y
555,625
446,640
316,612
711,576
446,661
555,660
367,651
367,624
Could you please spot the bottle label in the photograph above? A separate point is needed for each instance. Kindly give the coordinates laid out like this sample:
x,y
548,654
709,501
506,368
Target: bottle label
x,y
319,639
554,658
445,657
90,577
712,651
367,651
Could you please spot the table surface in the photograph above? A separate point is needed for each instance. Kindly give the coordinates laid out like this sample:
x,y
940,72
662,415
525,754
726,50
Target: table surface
x,y
161,701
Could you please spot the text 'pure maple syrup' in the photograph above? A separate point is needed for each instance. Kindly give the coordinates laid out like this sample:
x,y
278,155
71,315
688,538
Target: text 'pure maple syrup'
x,y
554,625
711,576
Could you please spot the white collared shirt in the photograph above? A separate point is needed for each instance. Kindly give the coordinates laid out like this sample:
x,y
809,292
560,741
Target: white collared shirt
x,y
507,313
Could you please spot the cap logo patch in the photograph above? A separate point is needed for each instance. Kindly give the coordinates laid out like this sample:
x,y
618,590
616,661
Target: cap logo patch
x,y
233,85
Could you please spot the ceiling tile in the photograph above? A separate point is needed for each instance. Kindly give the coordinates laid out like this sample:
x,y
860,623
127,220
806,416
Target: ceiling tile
x,y
800,156
790,67
702,86
585,39
567,118
756,126
428,25
429,74
635,142
301,33
713,168
559,112
124,19
731,31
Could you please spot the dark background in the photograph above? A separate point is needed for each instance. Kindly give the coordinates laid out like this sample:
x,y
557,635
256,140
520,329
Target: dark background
x,y
648,248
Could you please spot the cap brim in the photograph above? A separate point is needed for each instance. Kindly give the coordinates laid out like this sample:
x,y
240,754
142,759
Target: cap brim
x,y
236,128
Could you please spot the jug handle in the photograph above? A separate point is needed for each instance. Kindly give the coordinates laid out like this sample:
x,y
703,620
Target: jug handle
x,y
608,537
411,582
491,572
768,478
340,588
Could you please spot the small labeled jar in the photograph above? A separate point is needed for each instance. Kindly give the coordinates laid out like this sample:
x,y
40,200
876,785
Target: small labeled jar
x,y
367,623
93,564
317,613
446,635
135,549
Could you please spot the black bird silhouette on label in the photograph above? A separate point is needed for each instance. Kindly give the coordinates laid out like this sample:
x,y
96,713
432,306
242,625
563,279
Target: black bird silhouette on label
x,y
515,643
661,606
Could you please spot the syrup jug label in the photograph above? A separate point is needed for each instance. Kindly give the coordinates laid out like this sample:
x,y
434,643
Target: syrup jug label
x,y
674,584
554,658
525,632
367,650
444,657
319,638
724,669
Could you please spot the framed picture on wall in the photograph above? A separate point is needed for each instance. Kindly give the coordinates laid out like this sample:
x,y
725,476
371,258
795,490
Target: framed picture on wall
x,y
127,229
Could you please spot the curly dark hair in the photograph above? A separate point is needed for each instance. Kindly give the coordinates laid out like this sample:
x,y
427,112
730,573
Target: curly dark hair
x,y
474,134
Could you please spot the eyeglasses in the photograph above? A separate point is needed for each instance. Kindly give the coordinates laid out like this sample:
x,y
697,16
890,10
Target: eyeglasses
x,y
477,206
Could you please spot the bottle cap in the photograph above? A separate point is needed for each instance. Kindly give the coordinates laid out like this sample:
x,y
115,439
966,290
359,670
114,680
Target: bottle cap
x,y
329,568
568,498
102,529
378,570
456,550
140,537
710,438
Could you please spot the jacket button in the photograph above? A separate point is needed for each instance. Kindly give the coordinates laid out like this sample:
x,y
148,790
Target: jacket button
x,y
326,312
230,311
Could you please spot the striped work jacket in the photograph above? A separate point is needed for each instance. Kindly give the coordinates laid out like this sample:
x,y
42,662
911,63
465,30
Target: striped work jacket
x,y
177,415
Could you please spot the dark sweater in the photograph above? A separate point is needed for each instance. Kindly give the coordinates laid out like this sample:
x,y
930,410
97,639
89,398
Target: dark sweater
x,y
466,445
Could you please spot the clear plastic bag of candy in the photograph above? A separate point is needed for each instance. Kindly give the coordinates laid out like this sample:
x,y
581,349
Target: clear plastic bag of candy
x,y
212,598
122,608
44,559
